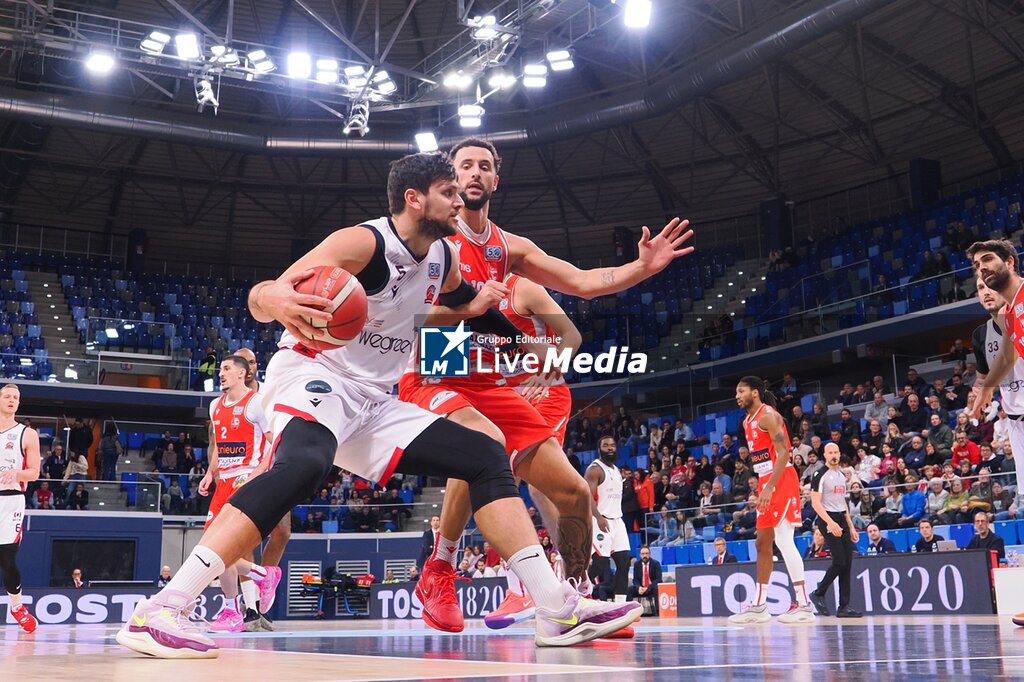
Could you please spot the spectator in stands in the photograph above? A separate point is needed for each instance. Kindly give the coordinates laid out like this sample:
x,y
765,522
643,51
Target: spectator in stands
x,y
892,494
684,434
1016,508
929,541
534,517
195,475
970,375
819,421
915,382
729,446
1008,466
79,500
880,293
464,569
989,459
872,439
957,509
958,352
878,410
845,396
429,539
109,452
934,406
166,460
965,450
955,397
984,538
800,448
668,528
662,485
42,496
941,437
722,554
414,574
936,499
798,461
1002,499
878,385
644,490
937,389
913,420
877,544
864,508
80,436
869,468
912,504
77,470
55,464
814,463
646,576
980,492
848,426
789,393
861,394
310,525
817,549
207,369
389,577
164,577
187,460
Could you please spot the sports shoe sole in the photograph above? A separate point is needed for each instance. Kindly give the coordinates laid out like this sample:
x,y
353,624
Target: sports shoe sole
x,y
800,617
590,631
748,619
510,619
429,620
1018,620
143,643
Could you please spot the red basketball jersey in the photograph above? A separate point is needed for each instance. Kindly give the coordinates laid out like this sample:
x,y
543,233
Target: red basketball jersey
x,y
1014,312
239,430
759,442
529,325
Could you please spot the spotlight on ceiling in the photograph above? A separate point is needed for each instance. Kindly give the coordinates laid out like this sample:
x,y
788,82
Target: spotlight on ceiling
x,y
457,80
471,115
637,13
560,60
155,43
327,71
187,45
426,142
223,56
300,65
100,62
204,94
535,75
483,27
261,63
356,76
383,83
501,81
358,119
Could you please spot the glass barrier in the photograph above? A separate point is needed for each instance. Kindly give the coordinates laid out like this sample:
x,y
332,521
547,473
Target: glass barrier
x,y
127,336
104,370
139,492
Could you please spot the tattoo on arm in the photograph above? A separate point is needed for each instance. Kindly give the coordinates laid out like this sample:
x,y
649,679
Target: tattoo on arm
x,y
574,535
608,278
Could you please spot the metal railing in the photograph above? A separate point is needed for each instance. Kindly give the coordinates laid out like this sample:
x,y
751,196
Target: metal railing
x,y
143,495
96,371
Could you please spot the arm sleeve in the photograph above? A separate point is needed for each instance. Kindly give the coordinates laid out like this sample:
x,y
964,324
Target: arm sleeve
x,y
816,479
978,340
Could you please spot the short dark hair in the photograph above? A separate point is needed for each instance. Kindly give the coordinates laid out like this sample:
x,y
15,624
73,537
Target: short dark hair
x,y
604,438
974,516
1001,247
477,142
416,171
238,361
928,521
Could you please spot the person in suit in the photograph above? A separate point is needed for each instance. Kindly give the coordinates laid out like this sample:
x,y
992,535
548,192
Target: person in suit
x,y
76,582
877,544
646,576
721,555
429,540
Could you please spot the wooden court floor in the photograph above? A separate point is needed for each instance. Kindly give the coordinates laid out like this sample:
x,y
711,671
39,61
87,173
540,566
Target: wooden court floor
x,y
921,647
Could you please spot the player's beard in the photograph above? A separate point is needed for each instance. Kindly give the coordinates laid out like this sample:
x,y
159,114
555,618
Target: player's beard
x,y
475,204
435,229
999,279
609,458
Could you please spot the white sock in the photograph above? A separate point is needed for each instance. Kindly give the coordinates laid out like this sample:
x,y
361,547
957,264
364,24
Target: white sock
x,y
514,583
761,595
446,550
15,601
801,593
251,595
198,571
257,573
531,565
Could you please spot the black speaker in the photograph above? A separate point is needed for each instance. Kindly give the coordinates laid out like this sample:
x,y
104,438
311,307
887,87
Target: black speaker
x,y
136,257
776,225
624,244
925,182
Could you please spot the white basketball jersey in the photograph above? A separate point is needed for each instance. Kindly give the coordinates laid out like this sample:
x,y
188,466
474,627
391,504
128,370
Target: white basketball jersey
x,y
1011,388
378,355
609,492
12,453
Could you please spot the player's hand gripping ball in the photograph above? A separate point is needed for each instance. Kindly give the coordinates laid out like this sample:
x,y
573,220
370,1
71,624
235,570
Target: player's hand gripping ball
x,y
347,308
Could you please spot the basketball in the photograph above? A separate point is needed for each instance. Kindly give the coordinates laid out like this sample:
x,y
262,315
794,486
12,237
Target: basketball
x,y
348,310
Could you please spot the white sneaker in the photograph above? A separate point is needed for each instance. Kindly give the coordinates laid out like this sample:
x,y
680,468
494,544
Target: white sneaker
x,y
798,614
752,614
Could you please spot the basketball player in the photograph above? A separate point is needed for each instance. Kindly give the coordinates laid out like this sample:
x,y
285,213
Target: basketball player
x,y
487,255
611,539
334,407
255,610
19,465
778,501
239,427
532,310
829,499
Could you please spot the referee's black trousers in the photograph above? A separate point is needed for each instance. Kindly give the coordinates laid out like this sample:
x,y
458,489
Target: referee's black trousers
x,y
843,551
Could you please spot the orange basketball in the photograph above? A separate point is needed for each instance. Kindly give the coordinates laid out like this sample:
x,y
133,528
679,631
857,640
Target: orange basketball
x,y
348,307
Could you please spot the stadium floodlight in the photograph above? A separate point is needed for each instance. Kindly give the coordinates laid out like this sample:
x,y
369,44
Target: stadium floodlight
x,y
483,27
354,71
261,63
426,142
155,43
70,374
111,332
471,115
560,60
501,81
100,62
535,76
358,119
300,65
187,45
637,13
457,80
327,71
223,55
383,83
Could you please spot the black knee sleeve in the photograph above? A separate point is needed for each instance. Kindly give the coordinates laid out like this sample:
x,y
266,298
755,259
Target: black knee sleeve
x,y
449,450
9,569
303,458
621,560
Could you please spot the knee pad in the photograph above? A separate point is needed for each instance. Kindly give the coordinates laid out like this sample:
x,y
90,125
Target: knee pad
x,y
492,479
9,567
303,458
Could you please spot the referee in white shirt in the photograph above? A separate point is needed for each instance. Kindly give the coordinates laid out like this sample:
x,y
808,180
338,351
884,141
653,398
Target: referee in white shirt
x,y
829,499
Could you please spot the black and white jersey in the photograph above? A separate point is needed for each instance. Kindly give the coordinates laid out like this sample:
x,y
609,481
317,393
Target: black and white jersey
x,y
831,483
988,339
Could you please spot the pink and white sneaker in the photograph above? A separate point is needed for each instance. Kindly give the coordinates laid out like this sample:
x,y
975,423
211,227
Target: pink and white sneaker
x,y
228,620
268,588
581,619
161,627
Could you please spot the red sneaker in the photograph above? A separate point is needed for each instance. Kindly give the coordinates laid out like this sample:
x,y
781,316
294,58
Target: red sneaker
x,y
436,591
25,619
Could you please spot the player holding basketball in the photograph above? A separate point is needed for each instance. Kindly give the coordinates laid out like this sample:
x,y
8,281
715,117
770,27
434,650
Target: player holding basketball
x,y
532,310
487,255
240,429
334,407
778,501
19,465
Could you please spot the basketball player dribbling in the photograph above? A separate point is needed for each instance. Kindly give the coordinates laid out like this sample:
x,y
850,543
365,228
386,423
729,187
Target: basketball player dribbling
x,y
237,453
484,404
534,313
19,465
778,502
334,407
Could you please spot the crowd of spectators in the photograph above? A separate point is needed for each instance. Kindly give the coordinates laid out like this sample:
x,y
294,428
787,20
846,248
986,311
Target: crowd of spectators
x,y
358,505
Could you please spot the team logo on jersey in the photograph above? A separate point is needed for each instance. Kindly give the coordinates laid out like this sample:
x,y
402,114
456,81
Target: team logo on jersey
x,y
9,446
237,410
431,294
600,537
1019,309
753,424
318,387
492,253
458,243
434,271
444,351
440,398
503,305
235,422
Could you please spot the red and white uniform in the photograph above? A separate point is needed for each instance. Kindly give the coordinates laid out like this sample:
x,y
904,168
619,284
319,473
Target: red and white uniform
x,y
555,403
1014,312
785,503
238,429
481,258
12,497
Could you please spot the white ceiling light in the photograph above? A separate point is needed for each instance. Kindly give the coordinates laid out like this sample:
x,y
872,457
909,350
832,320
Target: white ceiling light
x,y
300,65
560,60
261,62
353,71
471,115
100,62
155,43
637,13
483,27
458,80
223,55
426,142
327,71
502,81
535,76
383,83
187,45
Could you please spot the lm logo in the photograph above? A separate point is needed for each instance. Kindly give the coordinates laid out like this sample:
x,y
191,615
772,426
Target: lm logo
x,y
444,351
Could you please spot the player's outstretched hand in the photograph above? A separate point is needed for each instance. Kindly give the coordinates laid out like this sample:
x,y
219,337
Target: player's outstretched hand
x,y
489,296
204,485
656,253
280,300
